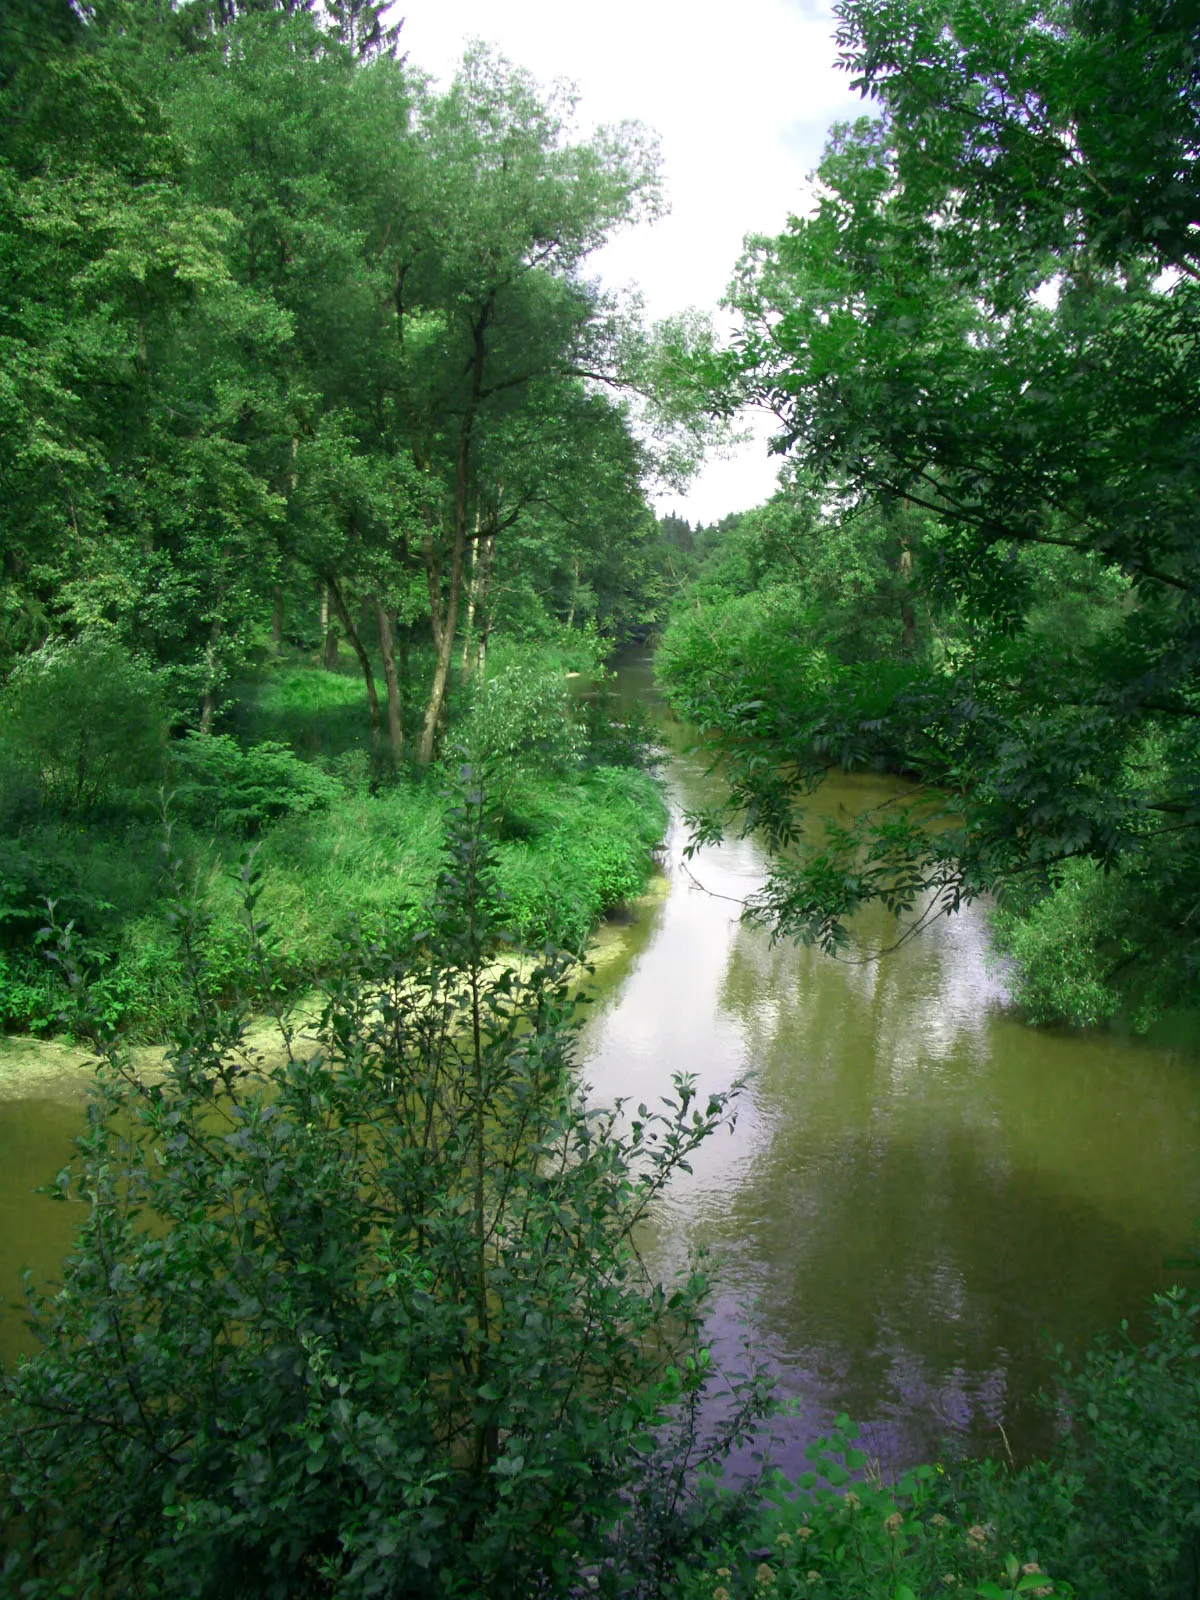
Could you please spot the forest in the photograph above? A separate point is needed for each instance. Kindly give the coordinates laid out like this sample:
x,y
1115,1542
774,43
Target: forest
x,y
328,475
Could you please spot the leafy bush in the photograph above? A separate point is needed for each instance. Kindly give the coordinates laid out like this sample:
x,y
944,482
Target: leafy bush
x,y
84,720
1121,1507
218,783
840,1533
521,724
1056,945
588,850
393,1339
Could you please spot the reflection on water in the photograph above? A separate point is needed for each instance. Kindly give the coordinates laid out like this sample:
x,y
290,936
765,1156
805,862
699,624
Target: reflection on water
x,y
921,1192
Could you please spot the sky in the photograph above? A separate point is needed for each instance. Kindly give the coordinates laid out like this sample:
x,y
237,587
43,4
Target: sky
x,y
741,100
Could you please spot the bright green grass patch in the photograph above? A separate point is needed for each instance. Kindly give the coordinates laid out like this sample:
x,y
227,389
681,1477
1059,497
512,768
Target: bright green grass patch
x,y
366,864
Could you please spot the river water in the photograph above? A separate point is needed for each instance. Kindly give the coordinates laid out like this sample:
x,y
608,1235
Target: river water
x,y
921,1194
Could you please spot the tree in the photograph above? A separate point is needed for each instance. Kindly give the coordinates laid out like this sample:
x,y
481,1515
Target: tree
x,y
989,317
489,303
103,252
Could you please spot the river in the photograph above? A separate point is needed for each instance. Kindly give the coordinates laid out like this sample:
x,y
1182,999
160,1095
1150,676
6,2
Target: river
x,y
921,1195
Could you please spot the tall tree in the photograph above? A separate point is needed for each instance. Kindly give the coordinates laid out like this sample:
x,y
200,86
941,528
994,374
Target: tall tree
x,y
489,302
990,316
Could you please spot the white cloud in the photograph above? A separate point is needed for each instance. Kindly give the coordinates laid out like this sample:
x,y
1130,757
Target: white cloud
x,y
741,101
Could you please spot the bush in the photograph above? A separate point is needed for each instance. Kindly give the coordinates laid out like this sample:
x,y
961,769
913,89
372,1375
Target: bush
x,y
522,724
84,720
218,784
393,1339
587,850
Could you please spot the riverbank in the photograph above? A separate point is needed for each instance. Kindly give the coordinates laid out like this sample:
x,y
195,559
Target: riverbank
x,y
332,850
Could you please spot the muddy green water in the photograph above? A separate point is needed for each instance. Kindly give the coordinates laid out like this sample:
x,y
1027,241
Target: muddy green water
x,y
922,1193
920,1196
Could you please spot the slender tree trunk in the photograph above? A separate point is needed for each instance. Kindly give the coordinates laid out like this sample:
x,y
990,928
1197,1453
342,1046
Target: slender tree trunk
x,y
328,634
908,620
208,704
446,625
395,712
574,593
402,631
441,668
334,589
472,597
462,487
277,618
483,591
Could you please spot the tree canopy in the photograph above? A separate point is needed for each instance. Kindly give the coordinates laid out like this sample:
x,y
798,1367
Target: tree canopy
x,y
984,332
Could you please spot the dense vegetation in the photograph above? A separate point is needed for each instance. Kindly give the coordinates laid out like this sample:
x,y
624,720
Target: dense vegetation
x,y
980,344
322,460
98,810
300,362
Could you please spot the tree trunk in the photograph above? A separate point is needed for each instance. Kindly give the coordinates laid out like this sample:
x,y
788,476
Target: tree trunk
x,y
446,624
395,712
462,486
908,620
334,590
209,703
472,600
328,634
483,590
277,618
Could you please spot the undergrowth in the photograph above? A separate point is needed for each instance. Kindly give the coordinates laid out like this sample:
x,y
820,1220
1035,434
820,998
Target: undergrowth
x,y
346,850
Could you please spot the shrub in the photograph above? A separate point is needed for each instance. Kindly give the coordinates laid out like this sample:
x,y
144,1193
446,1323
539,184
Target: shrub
x,y
388,1335
84,720
217,783
522,723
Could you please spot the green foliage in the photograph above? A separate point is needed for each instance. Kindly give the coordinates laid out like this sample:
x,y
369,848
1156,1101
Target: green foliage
x,y
521,720
216,782
83,720
1057,944
979,342
342,856
1133,1459
839,1531
395,1337
581,852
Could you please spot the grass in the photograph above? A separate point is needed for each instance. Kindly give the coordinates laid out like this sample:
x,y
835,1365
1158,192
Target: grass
x,y
355,855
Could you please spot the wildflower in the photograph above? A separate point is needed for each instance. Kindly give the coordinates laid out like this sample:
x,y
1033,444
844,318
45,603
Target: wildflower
x,y
804,1532
892,1523
1030,1569
813,1577
976,1534
950,1579
851,1501
1042,1590
724,1572
764,1575
937,1520
720,1592
784,1539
